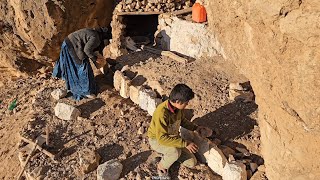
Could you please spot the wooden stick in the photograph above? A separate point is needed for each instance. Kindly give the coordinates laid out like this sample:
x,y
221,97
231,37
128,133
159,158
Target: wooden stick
x,y
59,153
139,13
28,159
179,12
52,156
166,53
47,135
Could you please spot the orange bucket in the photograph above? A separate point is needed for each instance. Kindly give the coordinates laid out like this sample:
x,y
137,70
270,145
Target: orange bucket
x,y
199,13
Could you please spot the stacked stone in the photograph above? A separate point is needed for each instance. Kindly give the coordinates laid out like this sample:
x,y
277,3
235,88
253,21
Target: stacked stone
x,y
152,5
141,94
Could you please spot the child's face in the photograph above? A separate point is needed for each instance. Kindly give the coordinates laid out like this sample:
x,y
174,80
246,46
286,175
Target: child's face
x,y
182,105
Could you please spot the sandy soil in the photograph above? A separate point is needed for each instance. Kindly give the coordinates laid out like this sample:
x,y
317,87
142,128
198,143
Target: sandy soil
x,y
109,124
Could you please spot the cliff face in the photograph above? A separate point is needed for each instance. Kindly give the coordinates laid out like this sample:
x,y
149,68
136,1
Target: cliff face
x,y
276,44
32,31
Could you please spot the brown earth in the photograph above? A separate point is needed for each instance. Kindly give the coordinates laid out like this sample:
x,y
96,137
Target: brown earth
x,y
32,31
110,124
276,45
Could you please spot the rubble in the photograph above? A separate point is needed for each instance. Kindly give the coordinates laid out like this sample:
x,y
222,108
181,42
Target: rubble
x,y
37,174
119,121
88,160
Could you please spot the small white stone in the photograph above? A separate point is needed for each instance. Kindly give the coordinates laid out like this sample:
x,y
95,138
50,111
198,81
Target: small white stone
x,y
236,86
141,130
58,94
66,112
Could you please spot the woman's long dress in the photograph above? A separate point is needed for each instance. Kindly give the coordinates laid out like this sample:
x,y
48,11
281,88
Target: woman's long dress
x,y
79,78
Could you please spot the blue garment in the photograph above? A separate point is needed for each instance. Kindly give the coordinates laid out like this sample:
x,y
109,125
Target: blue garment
x,y
79,77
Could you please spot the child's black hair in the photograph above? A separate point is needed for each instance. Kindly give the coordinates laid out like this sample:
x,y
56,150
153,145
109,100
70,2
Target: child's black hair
x,y
181,93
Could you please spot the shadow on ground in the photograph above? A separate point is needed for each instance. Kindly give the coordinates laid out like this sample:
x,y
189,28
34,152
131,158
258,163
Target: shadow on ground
x,y
91,106
132,162
109,151
232,120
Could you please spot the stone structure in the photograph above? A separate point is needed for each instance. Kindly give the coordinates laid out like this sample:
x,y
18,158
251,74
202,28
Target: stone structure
x,y
152,5
196,39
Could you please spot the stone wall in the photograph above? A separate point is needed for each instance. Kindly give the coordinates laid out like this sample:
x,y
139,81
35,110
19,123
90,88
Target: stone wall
x,y
276,44
186,37
34,30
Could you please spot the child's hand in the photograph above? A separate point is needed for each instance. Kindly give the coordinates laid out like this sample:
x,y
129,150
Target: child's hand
x,y
192,147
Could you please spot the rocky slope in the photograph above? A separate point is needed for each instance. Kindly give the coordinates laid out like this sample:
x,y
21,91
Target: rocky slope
x,y
276,45
32,31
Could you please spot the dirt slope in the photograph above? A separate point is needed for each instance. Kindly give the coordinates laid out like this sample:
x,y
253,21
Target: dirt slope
x,y
110,124
32,31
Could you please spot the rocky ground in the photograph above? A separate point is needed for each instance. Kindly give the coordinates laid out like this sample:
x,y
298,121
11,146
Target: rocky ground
x,y
115,128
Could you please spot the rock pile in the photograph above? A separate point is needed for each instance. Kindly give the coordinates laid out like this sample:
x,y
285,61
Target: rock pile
x,y
232,163
152,5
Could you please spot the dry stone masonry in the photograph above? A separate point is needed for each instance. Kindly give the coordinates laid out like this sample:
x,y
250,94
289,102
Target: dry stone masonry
x,y
230,163
152,5
196,39
212,154
145,97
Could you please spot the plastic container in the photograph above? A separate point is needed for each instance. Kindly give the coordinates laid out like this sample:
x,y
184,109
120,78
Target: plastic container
x,y
199,13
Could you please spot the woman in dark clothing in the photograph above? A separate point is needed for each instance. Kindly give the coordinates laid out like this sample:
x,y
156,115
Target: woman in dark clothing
x,y
73,65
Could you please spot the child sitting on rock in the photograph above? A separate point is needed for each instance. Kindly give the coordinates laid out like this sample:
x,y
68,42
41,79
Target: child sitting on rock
x,y
164,135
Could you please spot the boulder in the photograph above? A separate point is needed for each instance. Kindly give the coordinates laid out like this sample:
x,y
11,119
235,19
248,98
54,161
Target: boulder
x,y
109,170
234,171
66,112
216,159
